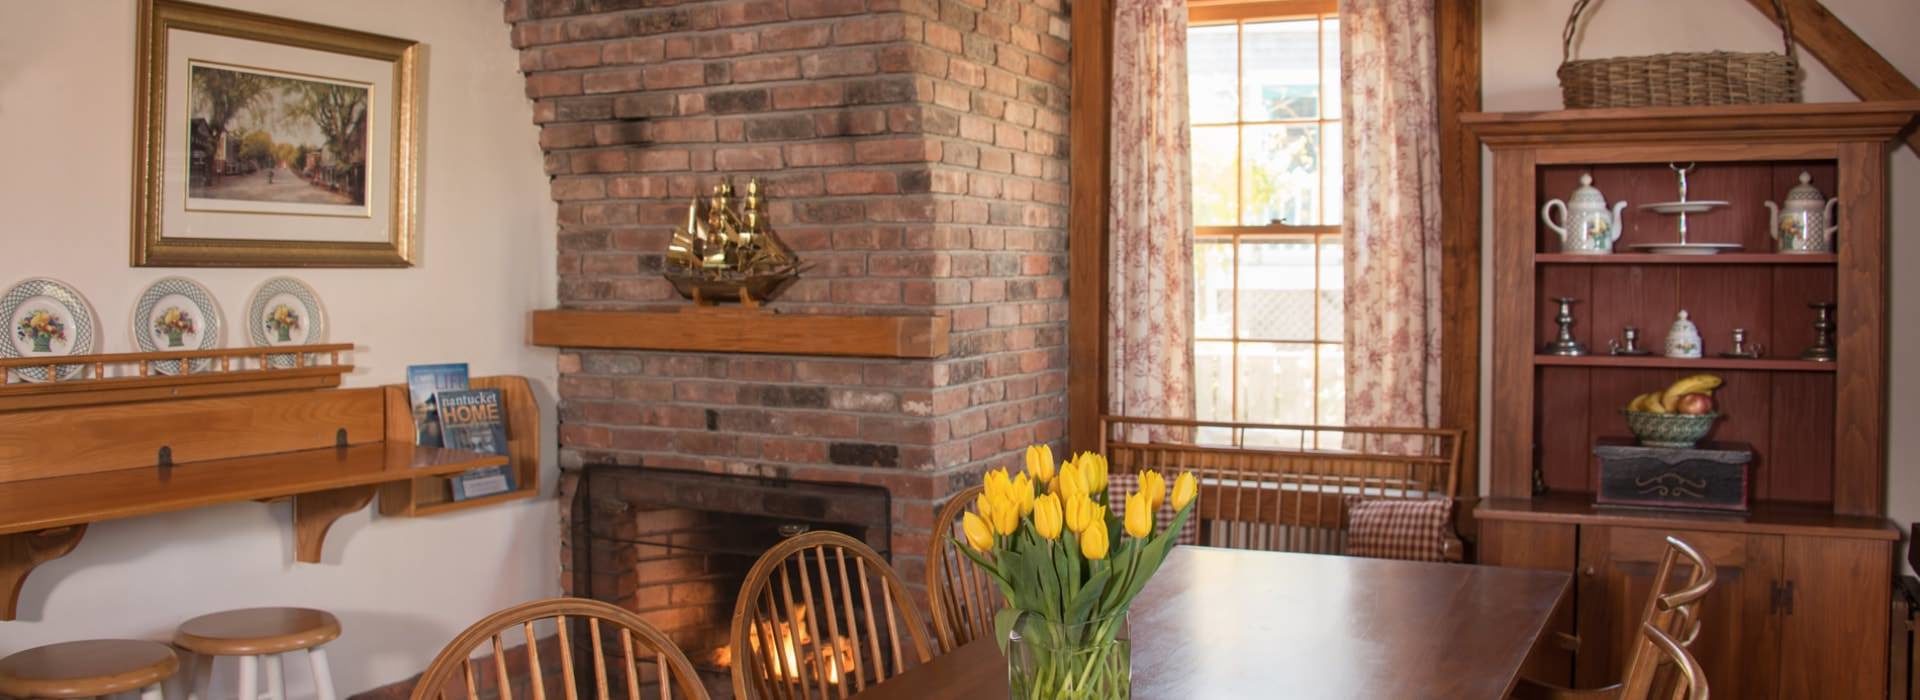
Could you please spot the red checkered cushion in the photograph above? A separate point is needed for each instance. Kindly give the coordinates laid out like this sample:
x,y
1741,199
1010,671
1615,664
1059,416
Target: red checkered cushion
x,y
1119,485
1383,528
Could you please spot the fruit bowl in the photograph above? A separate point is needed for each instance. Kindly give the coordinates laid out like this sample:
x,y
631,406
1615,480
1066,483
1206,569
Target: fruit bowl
x,y
1670,429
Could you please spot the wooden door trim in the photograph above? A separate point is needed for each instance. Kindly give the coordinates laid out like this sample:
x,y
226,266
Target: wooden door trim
x,y
1090,122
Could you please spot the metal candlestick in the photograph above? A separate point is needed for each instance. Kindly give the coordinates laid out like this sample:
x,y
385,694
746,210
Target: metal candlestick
x,y
1741,350
1630,345
1822,350
1564,344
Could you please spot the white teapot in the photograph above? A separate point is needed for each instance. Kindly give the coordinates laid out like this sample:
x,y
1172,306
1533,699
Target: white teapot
x,y
1806,224
1586,226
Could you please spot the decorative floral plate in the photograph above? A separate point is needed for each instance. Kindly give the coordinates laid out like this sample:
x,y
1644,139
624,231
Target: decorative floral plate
x,y
176,313
46,318
285,311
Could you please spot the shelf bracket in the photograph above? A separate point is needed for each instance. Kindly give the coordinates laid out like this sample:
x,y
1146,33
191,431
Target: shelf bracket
x,y
314,513
22,551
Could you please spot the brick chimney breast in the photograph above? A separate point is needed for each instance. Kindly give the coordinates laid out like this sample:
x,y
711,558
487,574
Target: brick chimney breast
x,y
914,152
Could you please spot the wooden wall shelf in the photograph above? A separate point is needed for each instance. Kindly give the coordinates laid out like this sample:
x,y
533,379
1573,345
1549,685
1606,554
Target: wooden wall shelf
x,y
715,329
220,372
328,451
1702,364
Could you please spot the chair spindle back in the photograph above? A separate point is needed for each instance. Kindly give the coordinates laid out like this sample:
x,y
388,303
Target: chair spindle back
x,y
964,597
641,655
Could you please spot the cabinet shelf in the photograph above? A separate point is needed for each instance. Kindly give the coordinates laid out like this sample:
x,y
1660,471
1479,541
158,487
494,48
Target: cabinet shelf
x,y
1658,362
1651,259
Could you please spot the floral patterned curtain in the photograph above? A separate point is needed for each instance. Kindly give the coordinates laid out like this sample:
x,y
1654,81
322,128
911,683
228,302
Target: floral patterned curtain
x,y
1150,270
1392,224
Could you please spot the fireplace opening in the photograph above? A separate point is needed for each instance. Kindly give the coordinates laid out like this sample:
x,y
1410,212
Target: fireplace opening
x,y
676,546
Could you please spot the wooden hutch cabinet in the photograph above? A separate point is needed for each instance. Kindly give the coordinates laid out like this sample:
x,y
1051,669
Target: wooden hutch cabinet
x,y
1801,609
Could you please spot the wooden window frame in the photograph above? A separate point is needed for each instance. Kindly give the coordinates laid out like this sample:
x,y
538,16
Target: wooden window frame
x,y
1217,13
1457,29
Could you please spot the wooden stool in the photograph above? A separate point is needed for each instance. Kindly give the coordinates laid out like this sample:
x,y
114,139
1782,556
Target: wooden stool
x,y
255,635
88,668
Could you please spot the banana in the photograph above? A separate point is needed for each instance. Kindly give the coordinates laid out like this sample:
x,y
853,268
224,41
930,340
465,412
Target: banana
x,y
1646,403
1696,384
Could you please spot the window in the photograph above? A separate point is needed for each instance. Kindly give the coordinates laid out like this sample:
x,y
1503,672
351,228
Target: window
x,y
1264,85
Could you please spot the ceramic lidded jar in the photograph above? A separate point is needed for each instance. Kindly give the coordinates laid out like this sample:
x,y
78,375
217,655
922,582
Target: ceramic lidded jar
x,y
1683,339
1586,226
1806,223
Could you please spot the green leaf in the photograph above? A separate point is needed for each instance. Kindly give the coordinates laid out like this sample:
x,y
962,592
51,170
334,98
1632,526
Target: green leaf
x,y
1003,622
1083,603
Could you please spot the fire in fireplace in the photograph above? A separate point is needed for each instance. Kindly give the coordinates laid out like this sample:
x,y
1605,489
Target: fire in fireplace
x,y
676,546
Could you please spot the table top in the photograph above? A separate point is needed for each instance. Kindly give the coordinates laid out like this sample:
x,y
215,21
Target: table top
x,y
1220,623
39,504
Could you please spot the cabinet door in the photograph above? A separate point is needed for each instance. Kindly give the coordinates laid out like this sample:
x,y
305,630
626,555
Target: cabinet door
x,y
1538,546
1835,640
1739,643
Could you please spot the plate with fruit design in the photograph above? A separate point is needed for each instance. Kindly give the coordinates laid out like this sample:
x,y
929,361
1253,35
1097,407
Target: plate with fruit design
x,y
175,314
1679,416
46,318
285,311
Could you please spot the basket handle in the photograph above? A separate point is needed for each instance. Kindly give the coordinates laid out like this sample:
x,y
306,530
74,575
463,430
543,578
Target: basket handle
x,y
1580,6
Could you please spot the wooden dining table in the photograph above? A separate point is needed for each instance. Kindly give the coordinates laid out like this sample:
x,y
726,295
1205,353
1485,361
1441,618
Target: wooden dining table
x,y
1223,623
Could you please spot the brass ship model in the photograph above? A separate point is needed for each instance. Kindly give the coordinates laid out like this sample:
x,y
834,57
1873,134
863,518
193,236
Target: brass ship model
x,y
724,255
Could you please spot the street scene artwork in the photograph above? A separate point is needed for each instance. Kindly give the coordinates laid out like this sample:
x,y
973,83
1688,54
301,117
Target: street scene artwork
x,y
271,138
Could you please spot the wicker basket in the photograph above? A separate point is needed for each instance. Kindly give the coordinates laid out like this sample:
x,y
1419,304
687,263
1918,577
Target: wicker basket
x,y
1678,79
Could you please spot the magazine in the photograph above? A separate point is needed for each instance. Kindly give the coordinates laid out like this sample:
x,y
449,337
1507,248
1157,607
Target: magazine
x,y
423,383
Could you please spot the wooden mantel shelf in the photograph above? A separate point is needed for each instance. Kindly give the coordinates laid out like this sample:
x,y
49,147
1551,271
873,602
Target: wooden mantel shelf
x,y
707,329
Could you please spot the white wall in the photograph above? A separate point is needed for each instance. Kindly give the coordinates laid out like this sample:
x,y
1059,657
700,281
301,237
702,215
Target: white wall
x,y
402,587
1522,50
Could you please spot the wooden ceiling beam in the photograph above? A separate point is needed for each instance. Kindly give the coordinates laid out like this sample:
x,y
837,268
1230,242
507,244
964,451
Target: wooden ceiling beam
x,y
1862,69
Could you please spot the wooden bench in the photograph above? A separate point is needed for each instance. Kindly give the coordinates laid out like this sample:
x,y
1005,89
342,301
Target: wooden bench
x,y
1286,487
329,451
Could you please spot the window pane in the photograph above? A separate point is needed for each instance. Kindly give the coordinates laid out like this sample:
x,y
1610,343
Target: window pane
x,y
1213,380
1276,383
1213,288
1282,65
1212,74
1216,157
1333,158
1330,68
1276,288
1333,388
1281,175
1333,290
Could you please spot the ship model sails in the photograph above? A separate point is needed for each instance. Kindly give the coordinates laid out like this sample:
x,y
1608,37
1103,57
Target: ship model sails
x,y
724,255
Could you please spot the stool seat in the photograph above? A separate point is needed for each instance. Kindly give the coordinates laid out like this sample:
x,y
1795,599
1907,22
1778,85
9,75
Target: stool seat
x,y
257,631
86,668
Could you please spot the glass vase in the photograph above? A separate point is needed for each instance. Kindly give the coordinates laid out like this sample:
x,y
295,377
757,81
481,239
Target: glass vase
x,y
1053,661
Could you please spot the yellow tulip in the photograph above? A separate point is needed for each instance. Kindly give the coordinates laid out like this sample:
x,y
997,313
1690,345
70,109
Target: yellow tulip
x,y
1005,516
1083,513
1068,482
1139,519
983,504
1040,463
978,536
1155,487
1022,494
1093,471
1047,517
997,483
1184,489
1093,542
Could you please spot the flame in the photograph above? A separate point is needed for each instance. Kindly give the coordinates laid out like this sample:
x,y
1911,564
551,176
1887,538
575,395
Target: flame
x,y
797,661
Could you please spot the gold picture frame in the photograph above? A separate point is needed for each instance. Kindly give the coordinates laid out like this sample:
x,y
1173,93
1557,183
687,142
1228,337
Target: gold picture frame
x,y
317,166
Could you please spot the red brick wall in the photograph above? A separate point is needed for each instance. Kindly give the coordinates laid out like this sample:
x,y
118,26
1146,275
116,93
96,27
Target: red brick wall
x,y
915,155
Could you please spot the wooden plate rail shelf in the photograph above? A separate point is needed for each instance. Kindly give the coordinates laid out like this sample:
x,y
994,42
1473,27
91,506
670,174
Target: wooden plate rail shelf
x,y
104,447
1807,573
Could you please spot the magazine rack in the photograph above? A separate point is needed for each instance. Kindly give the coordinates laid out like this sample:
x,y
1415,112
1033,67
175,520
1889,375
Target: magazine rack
x,y
430,494
117,453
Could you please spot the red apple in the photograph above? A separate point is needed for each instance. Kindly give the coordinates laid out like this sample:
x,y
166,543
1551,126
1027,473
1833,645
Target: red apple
x,y
1693,404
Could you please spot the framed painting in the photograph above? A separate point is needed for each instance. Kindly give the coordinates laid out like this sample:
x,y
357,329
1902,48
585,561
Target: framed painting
x,y
268,142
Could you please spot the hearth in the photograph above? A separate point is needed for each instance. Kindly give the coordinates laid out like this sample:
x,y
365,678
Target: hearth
x,y
675,546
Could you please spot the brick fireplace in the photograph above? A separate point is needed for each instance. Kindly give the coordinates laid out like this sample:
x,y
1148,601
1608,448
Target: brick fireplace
x,y
914,152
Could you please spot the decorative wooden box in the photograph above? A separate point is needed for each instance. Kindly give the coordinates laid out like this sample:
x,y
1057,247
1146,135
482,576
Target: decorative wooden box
x,y
1711,476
